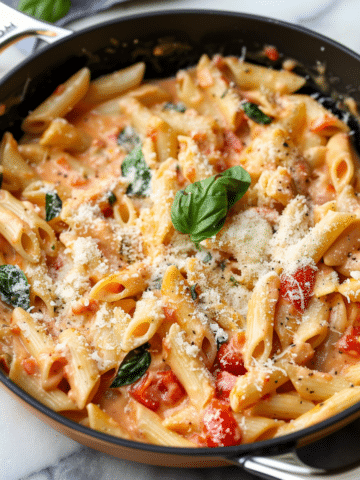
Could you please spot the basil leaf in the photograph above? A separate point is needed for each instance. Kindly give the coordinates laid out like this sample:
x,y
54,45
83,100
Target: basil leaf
x,y
111,198
207,258
135,169
178,107
53,205
193,292
200,209
254,112
133,367
128,139
14,286
48,10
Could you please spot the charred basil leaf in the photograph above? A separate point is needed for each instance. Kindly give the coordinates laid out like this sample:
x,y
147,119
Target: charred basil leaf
x,y
133,367
254,112
53,205
128,139
48,10
14,286
136,171
178,107
200,209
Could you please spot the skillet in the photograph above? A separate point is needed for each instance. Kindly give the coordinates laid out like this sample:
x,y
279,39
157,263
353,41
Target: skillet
x,y
183,36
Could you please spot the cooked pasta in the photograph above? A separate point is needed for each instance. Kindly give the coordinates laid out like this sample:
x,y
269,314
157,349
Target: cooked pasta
x,y
180,259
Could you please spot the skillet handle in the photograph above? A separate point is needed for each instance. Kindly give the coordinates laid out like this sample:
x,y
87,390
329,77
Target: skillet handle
x,y
282,467
15,26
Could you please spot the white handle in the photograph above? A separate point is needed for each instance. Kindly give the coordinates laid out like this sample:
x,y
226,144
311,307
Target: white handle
x,y
15,26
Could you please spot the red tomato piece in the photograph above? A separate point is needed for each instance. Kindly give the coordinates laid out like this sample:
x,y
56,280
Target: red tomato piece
x,y
157,388
350,342
219,425
298,287
107,211
232,142
271,53
224,383
29,365
230,357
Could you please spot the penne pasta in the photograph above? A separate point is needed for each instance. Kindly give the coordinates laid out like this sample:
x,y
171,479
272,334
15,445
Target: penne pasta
x,y
59,103
180,258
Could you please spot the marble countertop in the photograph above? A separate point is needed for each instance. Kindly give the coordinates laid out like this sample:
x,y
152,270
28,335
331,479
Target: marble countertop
x,y
29,449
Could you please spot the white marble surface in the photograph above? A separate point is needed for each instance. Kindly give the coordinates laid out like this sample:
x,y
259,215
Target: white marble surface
x,y
30,449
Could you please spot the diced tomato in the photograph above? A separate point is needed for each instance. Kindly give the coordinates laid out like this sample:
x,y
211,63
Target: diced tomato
x,y
232,142
297,288
271,53
350,342
170,314
220,165
157,388
15,329
224,383
219,425
107,211
29,365
230,357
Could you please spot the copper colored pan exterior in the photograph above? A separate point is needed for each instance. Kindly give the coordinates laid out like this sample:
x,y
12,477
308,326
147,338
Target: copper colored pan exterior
x,y
184,36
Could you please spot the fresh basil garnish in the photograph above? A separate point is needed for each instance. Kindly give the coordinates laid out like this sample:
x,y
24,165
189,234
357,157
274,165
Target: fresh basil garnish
x,y
135,169
178,107
207,258
128,139
53,205
200,209
111,198
48,10
14,286
133,367
233,281
254,112
193,292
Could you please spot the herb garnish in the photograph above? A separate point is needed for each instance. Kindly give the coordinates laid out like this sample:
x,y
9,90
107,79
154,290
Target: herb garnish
x,y
254,112
193,292
14,286
200,209
48,10
178,107
53,205
207,258
135,169
111,198
133,367
128,139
